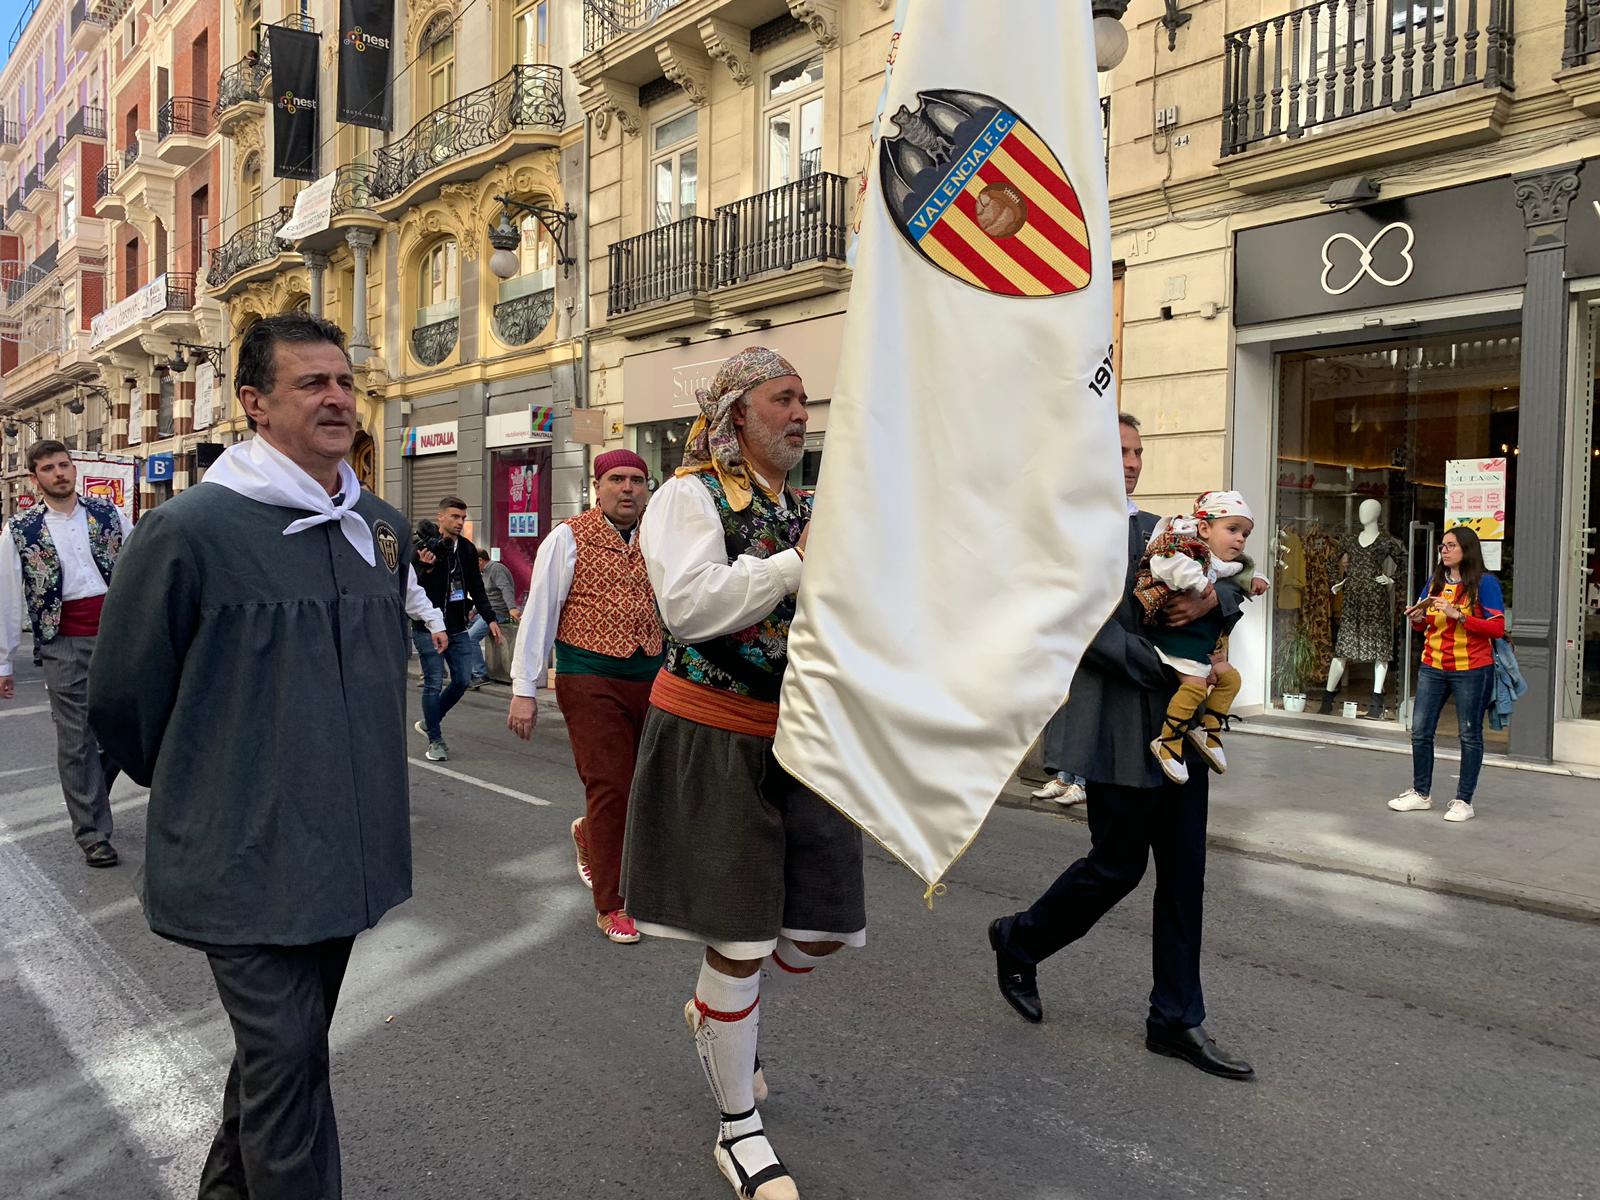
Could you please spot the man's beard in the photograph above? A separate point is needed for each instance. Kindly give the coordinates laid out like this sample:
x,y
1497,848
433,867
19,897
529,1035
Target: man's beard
x,y
59,490
773,445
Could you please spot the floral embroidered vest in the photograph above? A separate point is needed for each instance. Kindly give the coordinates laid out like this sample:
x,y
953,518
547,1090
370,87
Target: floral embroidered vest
x,y
610,607
41,564
749,662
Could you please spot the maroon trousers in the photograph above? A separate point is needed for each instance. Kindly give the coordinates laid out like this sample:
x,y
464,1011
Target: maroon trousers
x,y
605,718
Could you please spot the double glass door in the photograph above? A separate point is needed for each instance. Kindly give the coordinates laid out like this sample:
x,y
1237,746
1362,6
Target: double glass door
x,y
1581,675
1381,447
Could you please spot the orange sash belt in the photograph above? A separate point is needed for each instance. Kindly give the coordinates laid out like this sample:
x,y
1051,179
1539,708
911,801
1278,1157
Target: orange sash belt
x,y
714,707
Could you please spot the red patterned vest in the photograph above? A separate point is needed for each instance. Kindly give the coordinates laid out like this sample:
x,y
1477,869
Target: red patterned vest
x,y
610,608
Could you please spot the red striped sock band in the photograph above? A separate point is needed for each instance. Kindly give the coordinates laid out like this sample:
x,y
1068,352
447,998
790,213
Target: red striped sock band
x,y
788,968
712,1014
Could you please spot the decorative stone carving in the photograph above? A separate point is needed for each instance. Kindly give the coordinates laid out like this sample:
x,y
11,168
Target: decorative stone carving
x,y
246,137
1544,197
607,101
460,200
728,44
819,16
417,20
689,67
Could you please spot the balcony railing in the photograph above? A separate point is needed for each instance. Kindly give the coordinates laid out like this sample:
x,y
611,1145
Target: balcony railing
x,y
89,121
52,154
14,204
10,133
1338,58
604,20
1583,32
663,264
180,291
35,274
183,115
33,180
529,97
105,182
804,221
352,188
518,322
432,343
28,9
130,155
241,83
250,247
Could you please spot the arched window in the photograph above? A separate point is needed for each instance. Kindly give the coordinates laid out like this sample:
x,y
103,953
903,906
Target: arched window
x,y
252,185
438,53
439,284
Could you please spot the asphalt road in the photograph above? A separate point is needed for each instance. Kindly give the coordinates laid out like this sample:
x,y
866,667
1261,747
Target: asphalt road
x,y
491,1044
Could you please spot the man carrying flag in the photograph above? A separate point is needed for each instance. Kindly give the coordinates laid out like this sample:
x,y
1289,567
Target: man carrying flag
x,y
934,647
723,848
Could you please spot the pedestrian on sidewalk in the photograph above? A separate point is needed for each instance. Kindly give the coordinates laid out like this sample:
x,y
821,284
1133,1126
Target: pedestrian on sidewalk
x,y
724,848
501,589
590,598
1118,704
251,673
448,571
1460,615
55,567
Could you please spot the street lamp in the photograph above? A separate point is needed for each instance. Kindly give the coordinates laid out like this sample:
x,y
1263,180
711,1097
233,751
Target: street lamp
x,y
202,354
506,238
1110,38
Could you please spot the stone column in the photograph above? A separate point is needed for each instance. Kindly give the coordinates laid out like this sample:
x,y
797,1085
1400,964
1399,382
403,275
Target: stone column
x,y
316,264
1543,197
361,242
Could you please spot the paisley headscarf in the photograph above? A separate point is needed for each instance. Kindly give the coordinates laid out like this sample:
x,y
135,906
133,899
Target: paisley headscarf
x,y
713,440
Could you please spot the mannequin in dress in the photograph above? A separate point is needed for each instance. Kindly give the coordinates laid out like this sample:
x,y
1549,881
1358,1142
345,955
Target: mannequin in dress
x,y
1366,632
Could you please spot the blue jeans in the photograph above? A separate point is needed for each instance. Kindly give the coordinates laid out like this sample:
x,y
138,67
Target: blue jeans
x,y
477,631
438,700
1472,690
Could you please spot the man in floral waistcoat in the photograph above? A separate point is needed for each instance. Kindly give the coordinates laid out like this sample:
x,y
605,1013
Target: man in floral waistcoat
x,y
590,597
55,567
724,848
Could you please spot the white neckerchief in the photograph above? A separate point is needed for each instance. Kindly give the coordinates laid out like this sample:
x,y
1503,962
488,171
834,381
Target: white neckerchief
x,y
259,472
1133,507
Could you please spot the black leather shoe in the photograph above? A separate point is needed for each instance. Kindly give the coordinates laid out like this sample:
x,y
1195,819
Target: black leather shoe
x,y
1374,709
1197,1049
101,854
1018,980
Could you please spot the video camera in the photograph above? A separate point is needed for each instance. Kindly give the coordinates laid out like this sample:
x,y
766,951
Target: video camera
x,y
425,535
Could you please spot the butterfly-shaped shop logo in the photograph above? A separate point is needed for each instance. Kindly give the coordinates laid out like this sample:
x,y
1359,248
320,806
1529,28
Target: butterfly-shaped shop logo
x,y
1366,256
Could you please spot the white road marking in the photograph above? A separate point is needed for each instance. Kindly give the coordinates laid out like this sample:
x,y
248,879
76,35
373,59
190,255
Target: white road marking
x,y
484,784
27,770
25,710
153,1073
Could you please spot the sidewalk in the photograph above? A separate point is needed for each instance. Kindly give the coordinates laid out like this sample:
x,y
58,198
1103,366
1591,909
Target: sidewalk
x,y
1535,842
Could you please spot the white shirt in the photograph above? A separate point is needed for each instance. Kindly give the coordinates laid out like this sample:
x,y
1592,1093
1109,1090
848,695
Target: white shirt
x,y
700,593
553,568
80,578
419,607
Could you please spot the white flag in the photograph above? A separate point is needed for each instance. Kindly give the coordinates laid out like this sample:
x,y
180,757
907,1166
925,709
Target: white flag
x,y
970,534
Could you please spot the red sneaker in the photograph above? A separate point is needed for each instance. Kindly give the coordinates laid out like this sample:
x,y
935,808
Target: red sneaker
x,y
618,926
581,845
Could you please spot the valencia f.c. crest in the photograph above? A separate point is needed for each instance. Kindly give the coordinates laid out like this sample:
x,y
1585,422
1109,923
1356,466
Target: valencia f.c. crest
x,y
979,195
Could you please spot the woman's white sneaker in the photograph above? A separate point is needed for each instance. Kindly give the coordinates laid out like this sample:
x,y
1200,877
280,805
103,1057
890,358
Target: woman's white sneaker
x,y
1053,790
1459,810
1411,800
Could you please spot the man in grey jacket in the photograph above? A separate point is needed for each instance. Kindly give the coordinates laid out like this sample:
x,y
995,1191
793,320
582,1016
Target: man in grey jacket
x,y
1118,702
502,590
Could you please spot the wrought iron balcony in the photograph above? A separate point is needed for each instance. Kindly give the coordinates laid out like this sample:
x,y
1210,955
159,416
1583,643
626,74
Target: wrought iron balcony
x,y
130,155
605,20
33,275
250,247
521,320
1291,74
183,115
28,9
663,264
1583,33
352,188
804,221
431,344
242,82
10,133
52,154
89,121
33,180
180,291
105,182
528,97
14,204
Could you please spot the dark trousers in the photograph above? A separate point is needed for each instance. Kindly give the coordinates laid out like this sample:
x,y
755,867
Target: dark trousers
x,y
1472,691
437,699
86,772
278,1139
605,719
1126,826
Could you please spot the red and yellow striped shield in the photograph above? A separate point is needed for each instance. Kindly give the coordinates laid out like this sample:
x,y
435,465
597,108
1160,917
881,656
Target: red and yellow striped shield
x,y
978,194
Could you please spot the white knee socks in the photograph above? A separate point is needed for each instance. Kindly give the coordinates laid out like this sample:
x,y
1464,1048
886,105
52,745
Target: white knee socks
x,y
785,965
724,1015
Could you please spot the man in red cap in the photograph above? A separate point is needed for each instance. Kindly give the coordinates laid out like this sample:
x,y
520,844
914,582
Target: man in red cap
x,y
590,598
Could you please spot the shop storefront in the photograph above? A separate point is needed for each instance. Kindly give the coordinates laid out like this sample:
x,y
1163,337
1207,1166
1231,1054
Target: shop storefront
x,y
429,452
659,391
1398,371
519,444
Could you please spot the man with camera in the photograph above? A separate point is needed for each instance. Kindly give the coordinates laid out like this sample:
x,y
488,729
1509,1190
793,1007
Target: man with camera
x,y
447,568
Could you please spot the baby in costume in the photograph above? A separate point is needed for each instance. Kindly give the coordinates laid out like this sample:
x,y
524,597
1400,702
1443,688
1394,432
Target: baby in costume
x,y
1189,554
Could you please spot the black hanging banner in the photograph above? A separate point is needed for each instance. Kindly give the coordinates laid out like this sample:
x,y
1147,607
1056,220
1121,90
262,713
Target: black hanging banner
x,y
294,102
366,32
